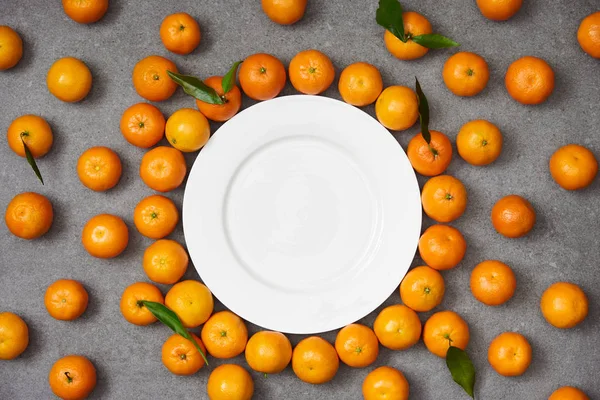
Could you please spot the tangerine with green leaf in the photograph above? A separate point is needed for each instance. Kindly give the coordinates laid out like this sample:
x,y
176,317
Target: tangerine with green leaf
x,y
72,377
397,108
430,159
34,131
414,24
232,101
444,329
262,76
132,306
466,74
29,215
180,33
187,130
180,355
479,142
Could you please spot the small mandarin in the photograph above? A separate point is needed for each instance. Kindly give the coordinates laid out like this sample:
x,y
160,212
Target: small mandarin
x,y
105,236
143,125
493,282
29,215
131,305
443,329
85,11
564,305
262,76
430,159
34,131
397,108
479,142
11,47
397,327
69,79
357,345
442,247
311,72
529,80
509,354
165,261
180,33
360,84
192,301
499,10
466,74
180,356
573,167
14,336
422,289
163,168
221,112
150,78
230,382
385,383
314,360
66,299
513,216
187,130
225,335
444,198
155,216
588,34
568,393
268,352
414,25
72,377
284,12
99,168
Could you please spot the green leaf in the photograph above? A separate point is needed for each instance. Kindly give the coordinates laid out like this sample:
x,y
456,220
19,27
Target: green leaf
x,y
423,112
229,79
196,88
434,41
461,368
389,15
170,319
31,161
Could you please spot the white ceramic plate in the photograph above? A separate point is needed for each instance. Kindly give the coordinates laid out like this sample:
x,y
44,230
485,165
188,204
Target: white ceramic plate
x,y
302,214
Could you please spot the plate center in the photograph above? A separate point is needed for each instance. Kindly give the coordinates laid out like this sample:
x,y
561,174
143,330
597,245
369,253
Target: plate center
x,y
299,214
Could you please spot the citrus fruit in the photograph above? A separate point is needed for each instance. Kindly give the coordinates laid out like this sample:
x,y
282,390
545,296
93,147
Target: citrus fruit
x,y
34,131
529,80
191,301
268,352
422,289
163,168
360,84
105,236
568,393
29,215
385,383
284,12
131,305
66,299
564,305
85,11
444,198
180,356
466,74
69,79
397,108
479,142
588,34
442,247
230,382
165,261
155,216
221,112
357,345
14,335
513,216
187,130
493,282
430,159
314,360
99,168
573,167
142,125
499,10
397,327
262,76
311,72
150,78
225,335
72,377
414,25
180,33
444,329
509,354
11,47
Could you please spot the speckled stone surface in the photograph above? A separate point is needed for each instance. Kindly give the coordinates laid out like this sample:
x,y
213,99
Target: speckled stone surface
x,y
562,246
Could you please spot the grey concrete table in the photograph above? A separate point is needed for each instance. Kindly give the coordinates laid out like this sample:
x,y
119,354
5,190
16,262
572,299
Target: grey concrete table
x,y
563,245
